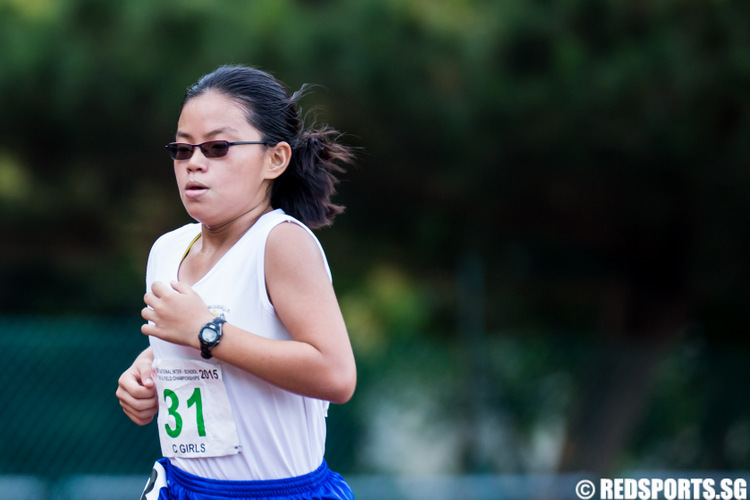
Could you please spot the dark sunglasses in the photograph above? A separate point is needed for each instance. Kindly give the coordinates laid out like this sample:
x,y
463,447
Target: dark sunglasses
x,y
210,149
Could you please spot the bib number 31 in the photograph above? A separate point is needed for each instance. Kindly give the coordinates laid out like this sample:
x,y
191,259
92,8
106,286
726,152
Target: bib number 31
x,y
195,418
195,399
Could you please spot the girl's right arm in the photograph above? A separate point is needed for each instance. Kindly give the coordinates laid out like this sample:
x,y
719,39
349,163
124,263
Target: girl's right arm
x,y
137,391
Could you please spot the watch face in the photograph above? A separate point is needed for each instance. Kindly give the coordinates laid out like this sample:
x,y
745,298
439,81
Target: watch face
x,y
209,335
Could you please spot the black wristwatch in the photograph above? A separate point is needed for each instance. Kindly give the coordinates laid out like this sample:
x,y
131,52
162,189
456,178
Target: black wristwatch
x,y
210,336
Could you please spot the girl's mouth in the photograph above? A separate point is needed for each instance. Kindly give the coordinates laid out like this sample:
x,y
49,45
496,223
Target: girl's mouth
x,y
195,189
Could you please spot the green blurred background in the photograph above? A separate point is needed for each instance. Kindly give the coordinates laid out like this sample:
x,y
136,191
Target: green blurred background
x,y
544,259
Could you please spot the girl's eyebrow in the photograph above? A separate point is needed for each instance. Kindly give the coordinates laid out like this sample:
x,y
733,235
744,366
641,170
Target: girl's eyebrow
x,y
213,133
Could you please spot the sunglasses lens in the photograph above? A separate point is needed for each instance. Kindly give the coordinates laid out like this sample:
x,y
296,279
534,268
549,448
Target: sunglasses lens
x,y
214,149
210,149
180,151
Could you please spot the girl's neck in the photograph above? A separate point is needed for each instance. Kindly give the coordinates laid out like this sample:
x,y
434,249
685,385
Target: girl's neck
x,y
213,243
225,235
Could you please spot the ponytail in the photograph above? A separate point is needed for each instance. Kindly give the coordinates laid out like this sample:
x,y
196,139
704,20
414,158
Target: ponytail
x,y
305,188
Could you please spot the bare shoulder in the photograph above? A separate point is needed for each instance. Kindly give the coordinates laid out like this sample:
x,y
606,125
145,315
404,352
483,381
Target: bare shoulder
x,y
289,245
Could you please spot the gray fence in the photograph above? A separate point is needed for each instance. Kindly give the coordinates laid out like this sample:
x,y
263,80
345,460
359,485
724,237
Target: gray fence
x,y
87,487
423,414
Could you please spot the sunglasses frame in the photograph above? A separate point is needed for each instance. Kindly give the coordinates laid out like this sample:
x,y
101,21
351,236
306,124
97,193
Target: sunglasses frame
x,y
205,149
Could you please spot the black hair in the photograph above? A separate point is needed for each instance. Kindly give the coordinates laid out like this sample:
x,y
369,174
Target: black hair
x,y
306,186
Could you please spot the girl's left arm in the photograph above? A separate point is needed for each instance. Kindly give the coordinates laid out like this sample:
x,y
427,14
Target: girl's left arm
x,y
318,362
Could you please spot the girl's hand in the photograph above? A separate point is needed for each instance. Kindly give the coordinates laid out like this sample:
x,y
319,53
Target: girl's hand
x,y
136,390
175,314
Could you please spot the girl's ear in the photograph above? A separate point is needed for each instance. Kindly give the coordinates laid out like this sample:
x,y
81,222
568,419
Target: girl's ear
x,y
277,159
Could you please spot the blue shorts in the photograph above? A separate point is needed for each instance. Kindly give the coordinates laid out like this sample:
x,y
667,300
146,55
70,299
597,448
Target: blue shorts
x,y
320,484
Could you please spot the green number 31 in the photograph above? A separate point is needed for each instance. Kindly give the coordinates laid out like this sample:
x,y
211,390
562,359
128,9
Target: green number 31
x,y
195,399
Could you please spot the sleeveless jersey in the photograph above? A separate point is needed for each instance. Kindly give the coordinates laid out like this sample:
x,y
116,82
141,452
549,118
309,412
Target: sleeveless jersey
x,y
281,434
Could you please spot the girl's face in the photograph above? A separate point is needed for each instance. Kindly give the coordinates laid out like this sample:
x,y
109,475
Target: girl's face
x,y
219,191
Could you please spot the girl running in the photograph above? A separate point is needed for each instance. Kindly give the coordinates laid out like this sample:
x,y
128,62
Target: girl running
x,y
247,342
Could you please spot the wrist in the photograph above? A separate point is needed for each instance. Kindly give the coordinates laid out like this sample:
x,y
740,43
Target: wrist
x,y
210,336
195,330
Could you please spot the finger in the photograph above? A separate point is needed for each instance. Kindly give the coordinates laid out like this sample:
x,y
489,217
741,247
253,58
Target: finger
x,y
138,405
159,289
148,314
134,418
130,388
146,378
150,299
148,329
140,417
181,287
130,401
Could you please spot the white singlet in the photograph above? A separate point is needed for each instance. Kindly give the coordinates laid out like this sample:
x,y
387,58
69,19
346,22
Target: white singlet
x,y
280,434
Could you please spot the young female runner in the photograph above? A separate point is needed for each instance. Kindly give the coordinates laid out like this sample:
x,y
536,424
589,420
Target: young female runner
x,y
247,342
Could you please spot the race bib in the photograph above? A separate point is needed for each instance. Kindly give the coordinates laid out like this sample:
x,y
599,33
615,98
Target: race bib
x,y
195,418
